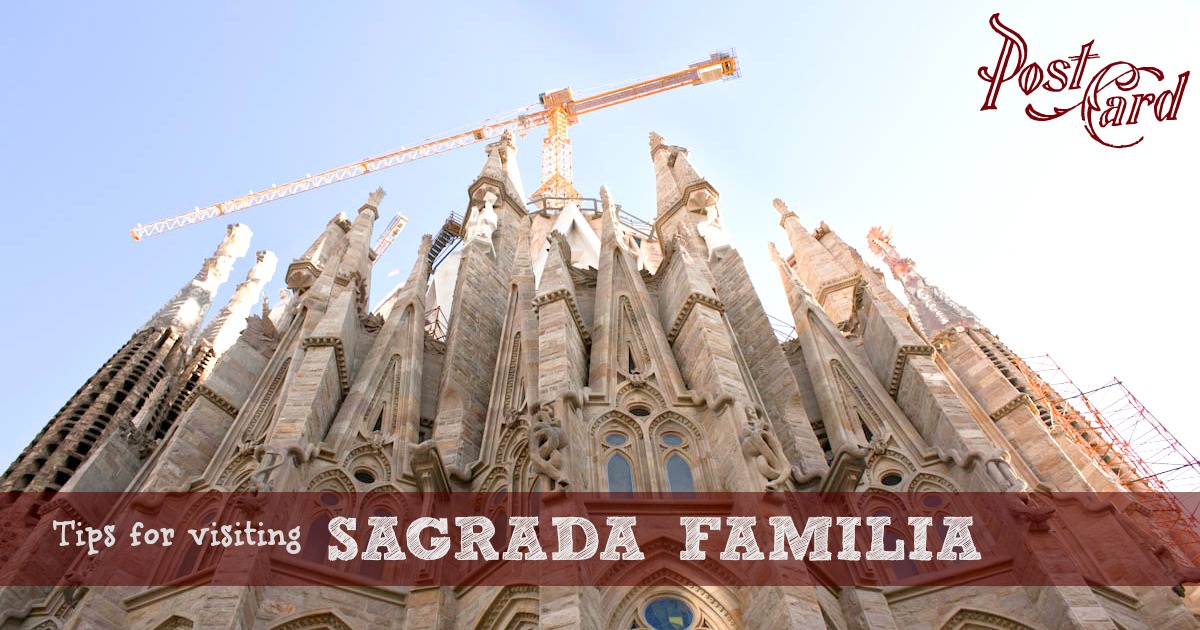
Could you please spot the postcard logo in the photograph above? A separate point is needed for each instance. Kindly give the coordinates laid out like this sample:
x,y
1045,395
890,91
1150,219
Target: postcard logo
x,y
1111,98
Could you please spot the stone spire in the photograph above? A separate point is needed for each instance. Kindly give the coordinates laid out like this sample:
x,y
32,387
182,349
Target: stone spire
x,y
303,271
187,309
225,327
676,180
831,283
501,166
931,309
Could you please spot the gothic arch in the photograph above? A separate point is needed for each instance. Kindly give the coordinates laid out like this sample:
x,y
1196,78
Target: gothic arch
x,y
370,458
876,500
632,392
495,481
313,621
630,335
238,472
49,625
187,557
890,462
929,482
512,440
630,445
382,410
714,607
260,421
331,480
971,619
608,416
853,397
671,435
514,379
514,608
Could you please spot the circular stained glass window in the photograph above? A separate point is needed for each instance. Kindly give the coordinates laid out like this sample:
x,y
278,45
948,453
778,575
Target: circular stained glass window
x,y
614,439
640,410
672,439
669,613
891,479
931,501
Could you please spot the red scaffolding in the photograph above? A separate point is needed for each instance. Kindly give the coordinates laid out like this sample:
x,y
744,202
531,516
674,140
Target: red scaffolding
x,y
1111,425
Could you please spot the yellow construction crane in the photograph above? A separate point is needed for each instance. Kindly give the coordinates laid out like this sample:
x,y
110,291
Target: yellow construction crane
x,y
556,109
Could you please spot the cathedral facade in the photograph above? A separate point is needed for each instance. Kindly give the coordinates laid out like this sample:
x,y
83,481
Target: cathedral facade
x,y
572,348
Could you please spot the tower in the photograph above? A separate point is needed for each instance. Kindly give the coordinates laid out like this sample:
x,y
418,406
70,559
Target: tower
x,y
141,384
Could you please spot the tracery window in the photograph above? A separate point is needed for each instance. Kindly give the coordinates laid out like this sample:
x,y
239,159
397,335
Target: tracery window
x,y
661,455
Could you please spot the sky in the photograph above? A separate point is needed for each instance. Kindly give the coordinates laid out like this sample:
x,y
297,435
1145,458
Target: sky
x,y
856,114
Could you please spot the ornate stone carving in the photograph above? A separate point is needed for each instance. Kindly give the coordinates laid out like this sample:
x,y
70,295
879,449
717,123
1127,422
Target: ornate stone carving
x,y
761,445
376,197
141,443
270,458
261,334
482,224
546,440
712,229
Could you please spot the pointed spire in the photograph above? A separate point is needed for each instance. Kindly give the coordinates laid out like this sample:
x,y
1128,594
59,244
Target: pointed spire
x,y
784,211
419,276
415,287
501,166
556,275
303,271
666,186
187,309
609,234
831,282
931,309
225,327
357,258
786,273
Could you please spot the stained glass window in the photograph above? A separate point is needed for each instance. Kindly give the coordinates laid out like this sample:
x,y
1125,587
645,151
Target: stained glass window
x,y
669,613
620,474
679,475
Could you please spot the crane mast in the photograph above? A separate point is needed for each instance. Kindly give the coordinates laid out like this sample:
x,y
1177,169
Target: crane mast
x,y
558,110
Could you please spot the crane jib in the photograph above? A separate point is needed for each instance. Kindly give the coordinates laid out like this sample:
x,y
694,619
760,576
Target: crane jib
x,y
718,65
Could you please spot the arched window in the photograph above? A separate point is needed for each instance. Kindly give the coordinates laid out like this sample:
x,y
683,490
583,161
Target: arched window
x,y
316,543
187,565
900,568
620,474
679,475
373,569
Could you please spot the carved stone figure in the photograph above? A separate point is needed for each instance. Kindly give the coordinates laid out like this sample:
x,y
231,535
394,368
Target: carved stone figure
x,y
483,221
376,197
713,229
546,440
270,458
261,334
763,448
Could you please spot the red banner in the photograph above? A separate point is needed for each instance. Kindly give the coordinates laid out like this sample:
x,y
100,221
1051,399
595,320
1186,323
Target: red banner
x,y
786,538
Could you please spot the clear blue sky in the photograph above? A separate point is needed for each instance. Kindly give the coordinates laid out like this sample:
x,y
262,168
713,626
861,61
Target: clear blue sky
x,y
855,113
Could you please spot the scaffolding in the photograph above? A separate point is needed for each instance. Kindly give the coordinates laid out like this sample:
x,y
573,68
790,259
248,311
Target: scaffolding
x,y
1111,425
